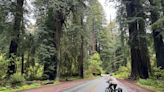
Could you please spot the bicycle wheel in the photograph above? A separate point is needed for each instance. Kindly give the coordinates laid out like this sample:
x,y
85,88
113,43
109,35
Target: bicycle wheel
x,y
119,90
106,90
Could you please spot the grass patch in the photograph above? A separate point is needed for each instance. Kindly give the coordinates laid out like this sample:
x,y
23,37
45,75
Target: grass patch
x,y
5,89
19,88
152,84
26,86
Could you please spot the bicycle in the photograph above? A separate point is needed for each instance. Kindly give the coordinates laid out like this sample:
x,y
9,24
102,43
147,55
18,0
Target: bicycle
x,y
113,90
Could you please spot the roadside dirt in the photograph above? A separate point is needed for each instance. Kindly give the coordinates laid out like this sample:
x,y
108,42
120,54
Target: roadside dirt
x,y
133,86
58,87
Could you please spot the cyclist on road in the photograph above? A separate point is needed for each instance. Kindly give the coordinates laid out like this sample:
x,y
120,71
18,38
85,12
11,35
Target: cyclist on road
x,y
112,82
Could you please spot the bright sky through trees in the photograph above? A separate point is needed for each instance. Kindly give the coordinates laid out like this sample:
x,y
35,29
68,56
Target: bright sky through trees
x,y
109,9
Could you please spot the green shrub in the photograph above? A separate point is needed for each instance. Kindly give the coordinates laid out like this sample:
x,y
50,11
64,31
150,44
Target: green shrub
x,y
3,66
34,73
123,69
94,66
122,73
88,74
158,73
16,80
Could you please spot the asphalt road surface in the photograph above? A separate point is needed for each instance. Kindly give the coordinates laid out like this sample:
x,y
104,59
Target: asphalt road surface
x,y
97,85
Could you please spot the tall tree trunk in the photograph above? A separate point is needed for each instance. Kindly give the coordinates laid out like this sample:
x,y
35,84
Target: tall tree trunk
x,y
139,51
159,47
78,20
123,48
144,68
16,32
22,66
93,39
162,3
93,35
59,21
158,39
81,58
135,58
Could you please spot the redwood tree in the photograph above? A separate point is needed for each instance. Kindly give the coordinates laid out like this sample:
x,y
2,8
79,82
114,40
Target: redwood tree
x,y
158,38
18,17
139,52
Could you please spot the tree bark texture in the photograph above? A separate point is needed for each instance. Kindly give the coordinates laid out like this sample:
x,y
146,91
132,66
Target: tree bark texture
x,y
139,52
157,36
16,32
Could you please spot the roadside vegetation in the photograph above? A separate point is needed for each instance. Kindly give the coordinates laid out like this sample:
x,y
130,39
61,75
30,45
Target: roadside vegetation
x,y
122,73
155,82
17,82
48,41
19,88
152,84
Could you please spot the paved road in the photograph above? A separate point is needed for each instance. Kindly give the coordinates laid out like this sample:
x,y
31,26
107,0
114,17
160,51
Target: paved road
x,y
97,85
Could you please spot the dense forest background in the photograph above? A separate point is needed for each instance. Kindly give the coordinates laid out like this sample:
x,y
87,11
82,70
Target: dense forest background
x,y
72,38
